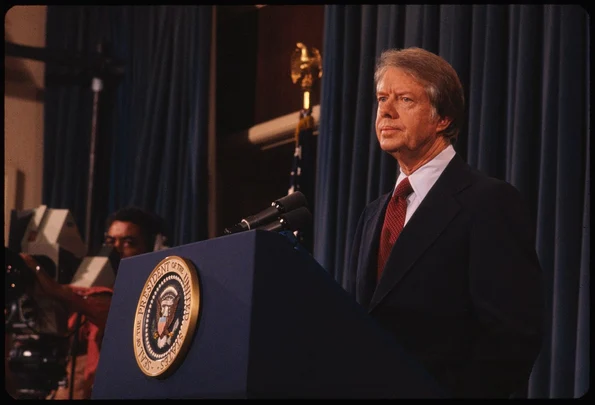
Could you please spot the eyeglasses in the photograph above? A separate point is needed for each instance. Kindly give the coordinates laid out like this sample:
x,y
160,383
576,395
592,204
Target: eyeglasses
x,y
127,241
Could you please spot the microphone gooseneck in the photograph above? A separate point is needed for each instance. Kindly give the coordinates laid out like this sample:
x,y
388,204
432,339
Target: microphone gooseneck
x,y
278,207
295,220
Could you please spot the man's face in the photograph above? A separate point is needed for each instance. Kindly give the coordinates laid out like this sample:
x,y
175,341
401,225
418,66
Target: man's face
x,y
126,238
405,119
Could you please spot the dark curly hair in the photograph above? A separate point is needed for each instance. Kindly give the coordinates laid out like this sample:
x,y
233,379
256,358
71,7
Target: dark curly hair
x,y
149,223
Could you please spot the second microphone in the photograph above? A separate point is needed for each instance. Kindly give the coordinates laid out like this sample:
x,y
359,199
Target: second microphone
x,y
281,206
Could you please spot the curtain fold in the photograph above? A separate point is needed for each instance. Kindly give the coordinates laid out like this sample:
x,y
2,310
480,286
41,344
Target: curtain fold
x,y
67,113
153,120
525,71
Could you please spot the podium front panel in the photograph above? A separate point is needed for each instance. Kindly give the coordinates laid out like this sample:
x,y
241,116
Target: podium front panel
x,y
216,363
272,324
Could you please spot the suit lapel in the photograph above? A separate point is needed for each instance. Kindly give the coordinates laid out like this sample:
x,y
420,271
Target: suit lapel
x,y
366,277
433,215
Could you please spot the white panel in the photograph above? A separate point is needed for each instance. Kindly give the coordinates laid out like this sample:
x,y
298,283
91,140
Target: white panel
x,y
278,129
94,271
70,238
32,232
53,224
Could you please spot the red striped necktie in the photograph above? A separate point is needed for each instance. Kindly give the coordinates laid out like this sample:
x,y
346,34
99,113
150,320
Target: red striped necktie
x,y
394,220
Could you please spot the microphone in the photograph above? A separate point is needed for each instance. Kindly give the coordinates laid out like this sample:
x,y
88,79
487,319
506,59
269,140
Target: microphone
x,y
290,221
281,206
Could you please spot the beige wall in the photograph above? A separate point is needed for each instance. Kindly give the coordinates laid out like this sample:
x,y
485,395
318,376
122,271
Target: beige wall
x,y
23,112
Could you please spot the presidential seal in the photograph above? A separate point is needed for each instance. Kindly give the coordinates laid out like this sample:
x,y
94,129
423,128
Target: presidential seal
x,y
166,317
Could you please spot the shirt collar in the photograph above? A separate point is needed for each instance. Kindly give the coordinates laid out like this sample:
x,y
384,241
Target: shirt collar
x,y
424,178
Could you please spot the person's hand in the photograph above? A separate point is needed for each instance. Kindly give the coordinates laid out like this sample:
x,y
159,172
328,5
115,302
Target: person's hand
x,y
45,284
30,261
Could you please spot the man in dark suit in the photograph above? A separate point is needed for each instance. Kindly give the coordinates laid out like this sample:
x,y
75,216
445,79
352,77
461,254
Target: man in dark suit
x,y
446,262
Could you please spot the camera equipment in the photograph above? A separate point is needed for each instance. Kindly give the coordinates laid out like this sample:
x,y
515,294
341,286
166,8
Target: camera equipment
x,y
37,329
51,233
37,364
17,279
37,325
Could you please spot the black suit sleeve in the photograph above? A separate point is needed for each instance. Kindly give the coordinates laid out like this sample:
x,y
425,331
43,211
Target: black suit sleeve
x,y
505,282
354,258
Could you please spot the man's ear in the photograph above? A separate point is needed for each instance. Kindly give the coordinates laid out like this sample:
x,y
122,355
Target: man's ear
x,y
443,123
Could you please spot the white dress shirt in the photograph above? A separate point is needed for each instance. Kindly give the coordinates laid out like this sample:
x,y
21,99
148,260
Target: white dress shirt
x,y
424,178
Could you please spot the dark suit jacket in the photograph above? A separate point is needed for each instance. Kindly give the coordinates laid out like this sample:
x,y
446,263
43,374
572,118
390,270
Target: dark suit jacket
x,y
462,286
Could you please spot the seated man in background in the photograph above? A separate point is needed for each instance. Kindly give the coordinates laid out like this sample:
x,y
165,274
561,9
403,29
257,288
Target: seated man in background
x,y
131,231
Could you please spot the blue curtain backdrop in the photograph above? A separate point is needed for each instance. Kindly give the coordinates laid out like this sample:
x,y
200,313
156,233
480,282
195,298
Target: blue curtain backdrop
x,y
152,116
526,73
